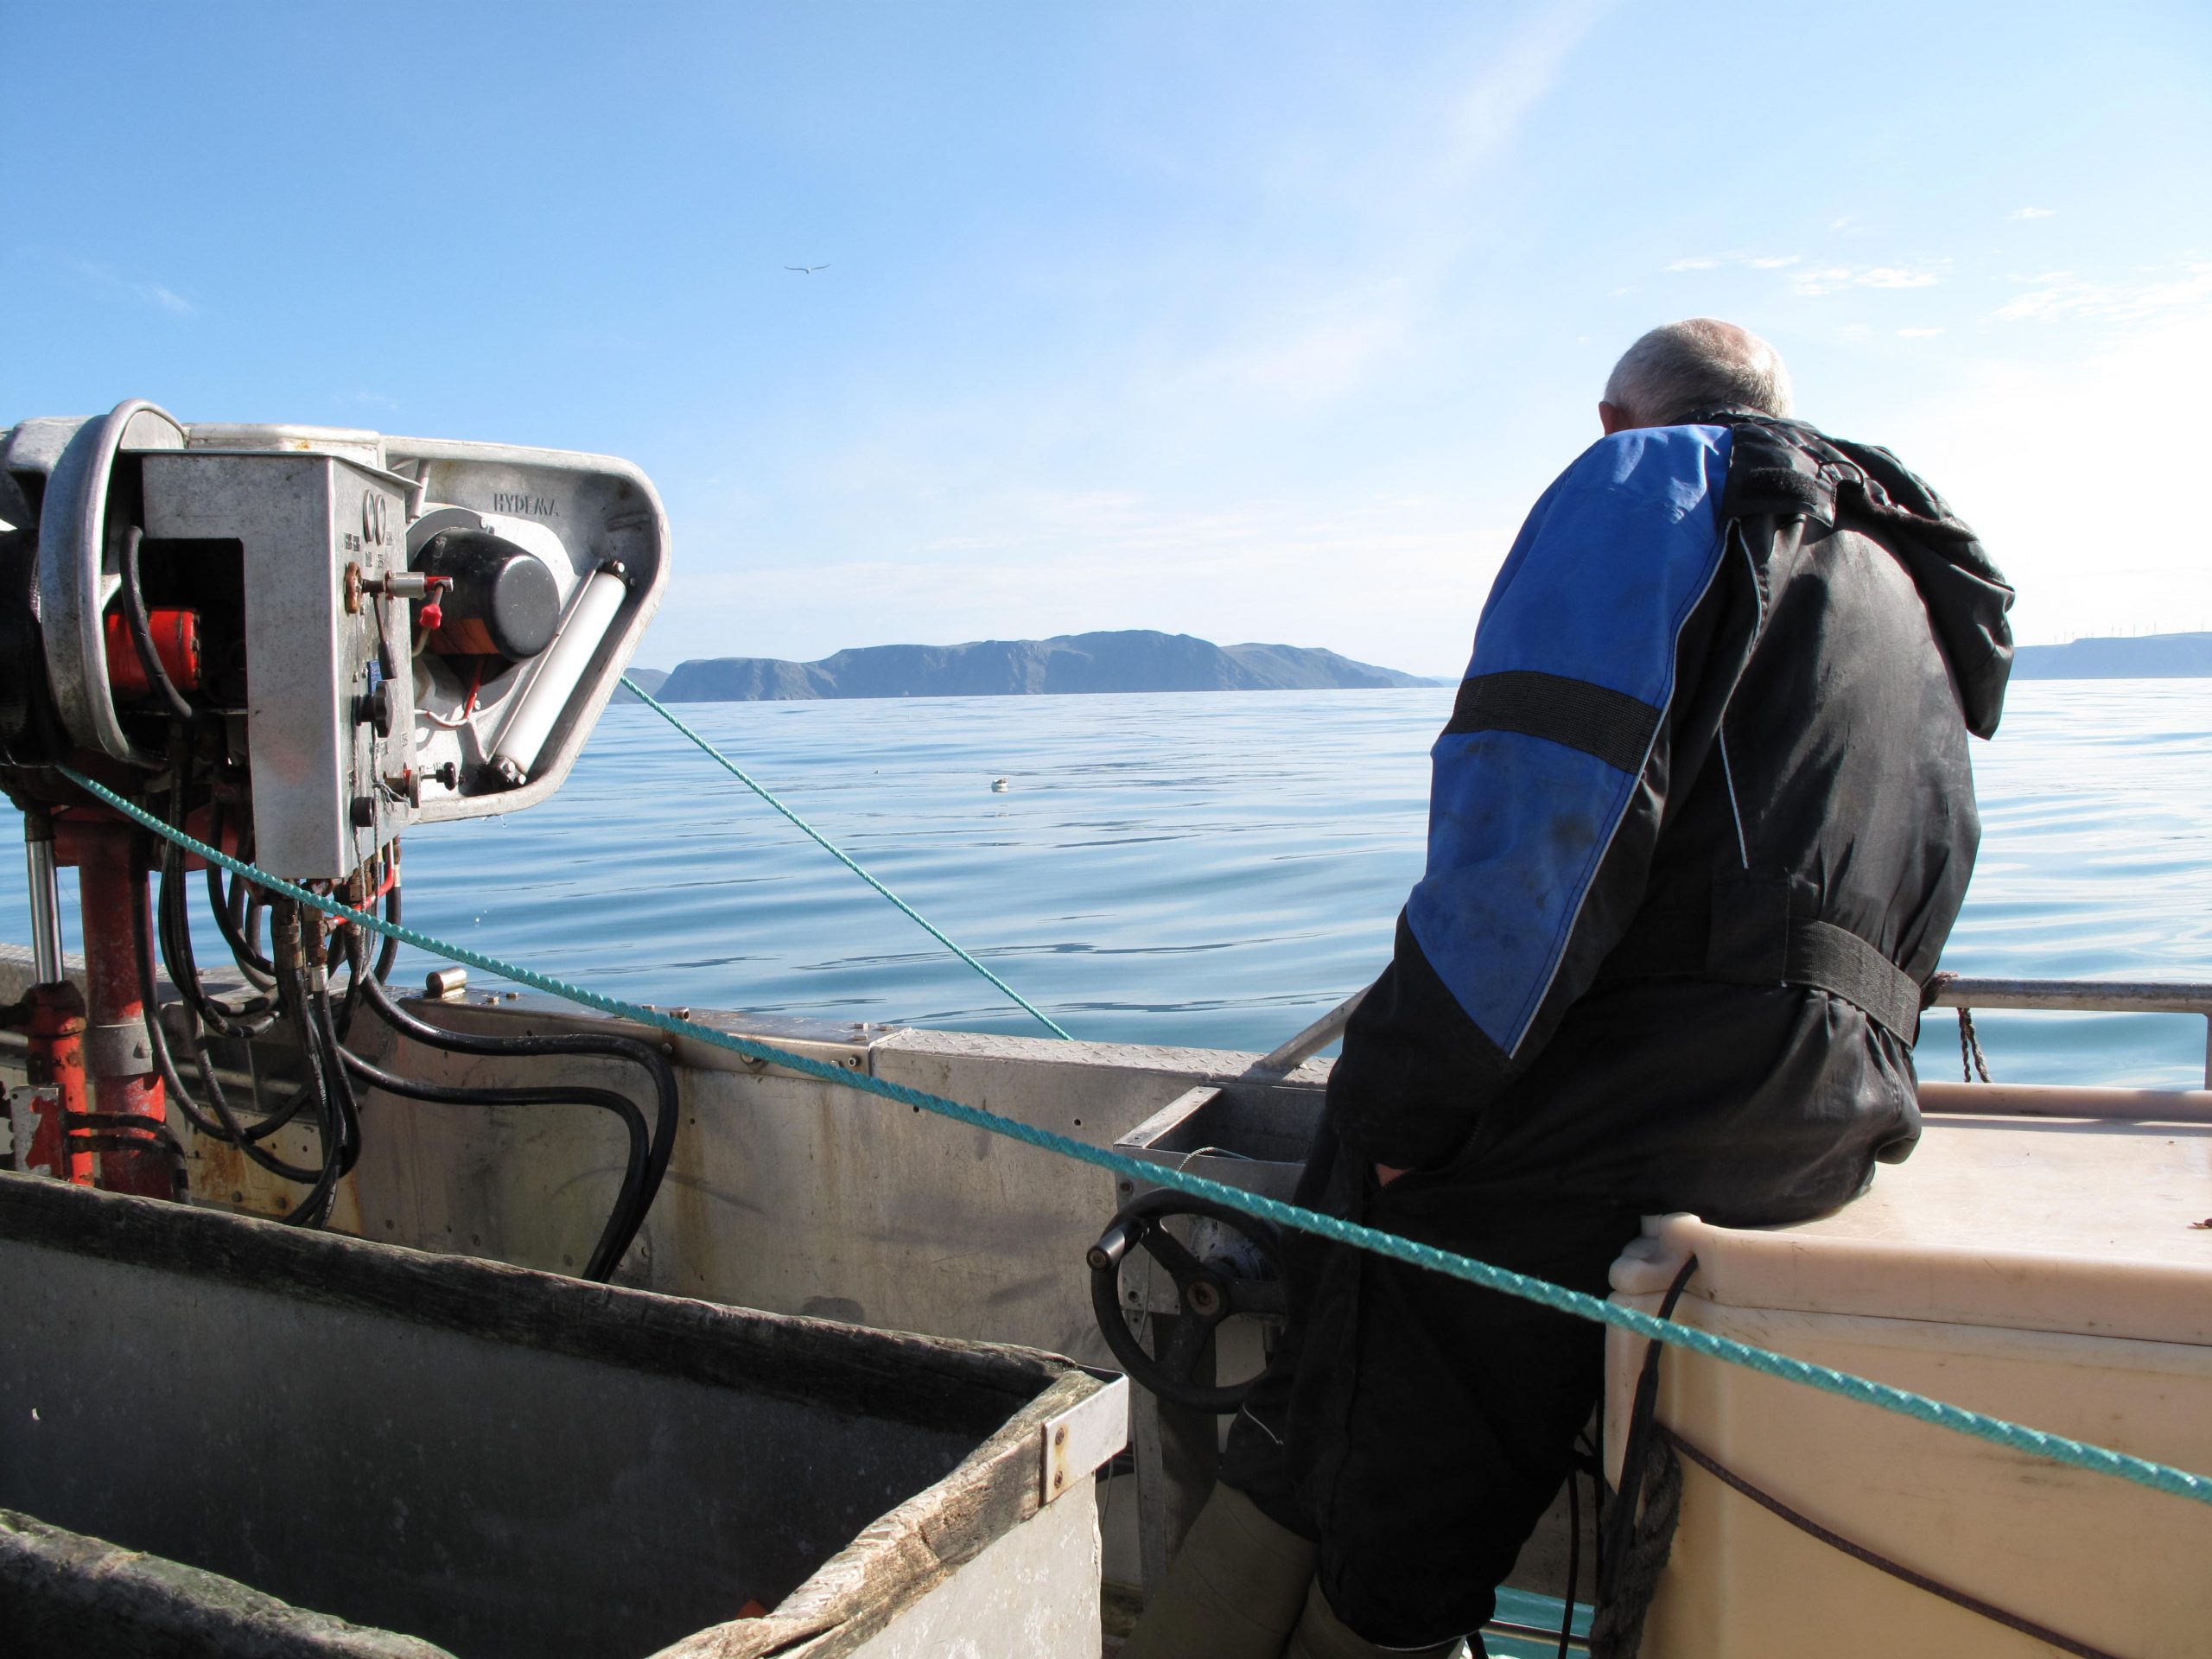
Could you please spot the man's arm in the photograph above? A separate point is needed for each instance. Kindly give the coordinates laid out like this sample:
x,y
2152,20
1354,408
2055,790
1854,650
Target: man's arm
x,y
1586,703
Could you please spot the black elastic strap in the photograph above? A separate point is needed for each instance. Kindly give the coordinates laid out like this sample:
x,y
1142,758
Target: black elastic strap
x,y
1836,960
1745,934
1611,725
1859,1553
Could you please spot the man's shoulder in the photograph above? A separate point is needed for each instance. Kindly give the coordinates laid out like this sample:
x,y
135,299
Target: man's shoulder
x,y
1652,460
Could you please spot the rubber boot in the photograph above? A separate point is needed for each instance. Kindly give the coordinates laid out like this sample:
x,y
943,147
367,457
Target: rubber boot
x,y
1321,1635
1234,1591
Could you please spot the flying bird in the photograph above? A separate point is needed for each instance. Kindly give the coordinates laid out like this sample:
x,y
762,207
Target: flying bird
x,y
806,271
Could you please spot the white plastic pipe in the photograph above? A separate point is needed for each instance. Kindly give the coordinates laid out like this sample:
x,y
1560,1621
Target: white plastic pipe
x,y
514,755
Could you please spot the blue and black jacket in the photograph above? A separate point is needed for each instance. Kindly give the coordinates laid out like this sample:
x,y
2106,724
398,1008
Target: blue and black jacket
x,y
1701,823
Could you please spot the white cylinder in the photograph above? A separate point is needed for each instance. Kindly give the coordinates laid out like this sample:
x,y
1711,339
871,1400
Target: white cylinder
x,y
559,670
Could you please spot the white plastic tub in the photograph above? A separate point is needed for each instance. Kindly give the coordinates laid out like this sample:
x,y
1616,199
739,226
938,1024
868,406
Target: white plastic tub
x,y
2046,1272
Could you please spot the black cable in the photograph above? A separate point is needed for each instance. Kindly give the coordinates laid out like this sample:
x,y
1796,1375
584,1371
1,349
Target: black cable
x,y
669,1106
389,952
226,1130
142,630
1614,1550
230,909
296,1001
348,1106
358,972
130,1132
1859,1551
255,920
625,1217
614,1238
249,1018
174,924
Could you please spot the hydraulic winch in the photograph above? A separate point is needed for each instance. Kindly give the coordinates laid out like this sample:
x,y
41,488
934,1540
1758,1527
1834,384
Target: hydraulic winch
x,y
294,643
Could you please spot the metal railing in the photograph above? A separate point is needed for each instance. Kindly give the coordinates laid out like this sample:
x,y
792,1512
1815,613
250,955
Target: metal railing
x,y
2084,996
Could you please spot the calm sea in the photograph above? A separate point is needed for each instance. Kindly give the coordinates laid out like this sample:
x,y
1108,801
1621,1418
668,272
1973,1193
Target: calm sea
x,y
1218,869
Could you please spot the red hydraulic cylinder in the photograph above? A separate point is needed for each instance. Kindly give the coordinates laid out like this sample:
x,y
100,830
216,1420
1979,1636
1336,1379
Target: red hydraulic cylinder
x,y
110,885
56,1066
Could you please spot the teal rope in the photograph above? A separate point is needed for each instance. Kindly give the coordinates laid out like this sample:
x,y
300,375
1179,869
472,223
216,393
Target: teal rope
x,y
2159,1477
832,849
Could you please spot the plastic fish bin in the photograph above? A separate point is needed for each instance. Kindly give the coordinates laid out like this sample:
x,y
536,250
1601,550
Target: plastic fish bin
x,y
221,1435
2048,1272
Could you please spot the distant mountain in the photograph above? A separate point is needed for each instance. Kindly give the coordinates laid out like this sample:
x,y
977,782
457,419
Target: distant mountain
x,y
651,678
1136,659
2136,656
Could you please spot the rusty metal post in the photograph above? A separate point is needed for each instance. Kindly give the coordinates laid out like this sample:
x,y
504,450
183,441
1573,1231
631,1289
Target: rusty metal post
x,y
110,883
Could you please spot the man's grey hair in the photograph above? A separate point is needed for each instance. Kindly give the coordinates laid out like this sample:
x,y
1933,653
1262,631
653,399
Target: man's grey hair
x,y
1700,363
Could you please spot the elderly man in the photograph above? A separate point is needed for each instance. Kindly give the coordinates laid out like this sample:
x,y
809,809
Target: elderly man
x,y
1701,821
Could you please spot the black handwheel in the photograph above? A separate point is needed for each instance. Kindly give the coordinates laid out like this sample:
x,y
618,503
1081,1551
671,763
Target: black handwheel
x,y
1210,1290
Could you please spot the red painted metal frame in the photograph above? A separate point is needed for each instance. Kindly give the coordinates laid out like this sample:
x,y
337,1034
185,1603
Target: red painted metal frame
x,y
110,882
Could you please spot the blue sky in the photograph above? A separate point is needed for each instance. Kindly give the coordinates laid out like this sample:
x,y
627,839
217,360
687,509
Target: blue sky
x,y
1255,321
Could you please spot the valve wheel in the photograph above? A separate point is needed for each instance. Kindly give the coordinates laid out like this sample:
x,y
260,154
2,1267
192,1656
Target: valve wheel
x,y
1210,1291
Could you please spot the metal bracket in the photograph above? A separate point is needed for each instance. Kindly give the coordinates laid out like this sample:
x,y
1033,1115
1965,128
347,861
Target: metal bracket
x,y
119,1050
29,1104
1083,1439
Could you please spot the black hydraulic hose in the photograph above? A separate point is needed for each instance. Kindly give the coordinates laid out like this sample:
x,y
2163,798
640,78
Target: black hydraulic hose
x,y
142,630
176,925
226,1130
297,1004
230,909
621,1221
348,1108
623,1218
250,1017
389,952
357,963
668,1107
253,917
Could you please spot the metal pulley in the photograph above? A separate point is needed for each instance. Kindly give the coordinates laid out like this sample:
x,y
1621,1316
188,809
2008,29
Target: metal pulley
x,y
1232,1268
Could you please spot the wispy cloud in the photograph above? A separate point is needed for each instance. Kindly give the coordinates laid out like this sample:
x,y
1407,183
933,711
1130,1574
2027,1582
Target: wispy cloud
x,y
1813,280
2059,294
159,295
1749,261
2033,213
1519,77
1307,339
1918,334
1833,279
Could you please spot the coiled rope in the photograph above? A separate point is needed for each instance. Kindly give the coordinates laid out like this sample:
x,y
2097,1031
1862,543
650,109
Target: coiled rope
x,y
2159,1477
832,849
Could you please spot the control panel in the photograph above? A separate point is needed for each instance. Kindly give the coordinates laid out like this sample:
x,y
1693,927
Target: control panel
x,y
327,640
